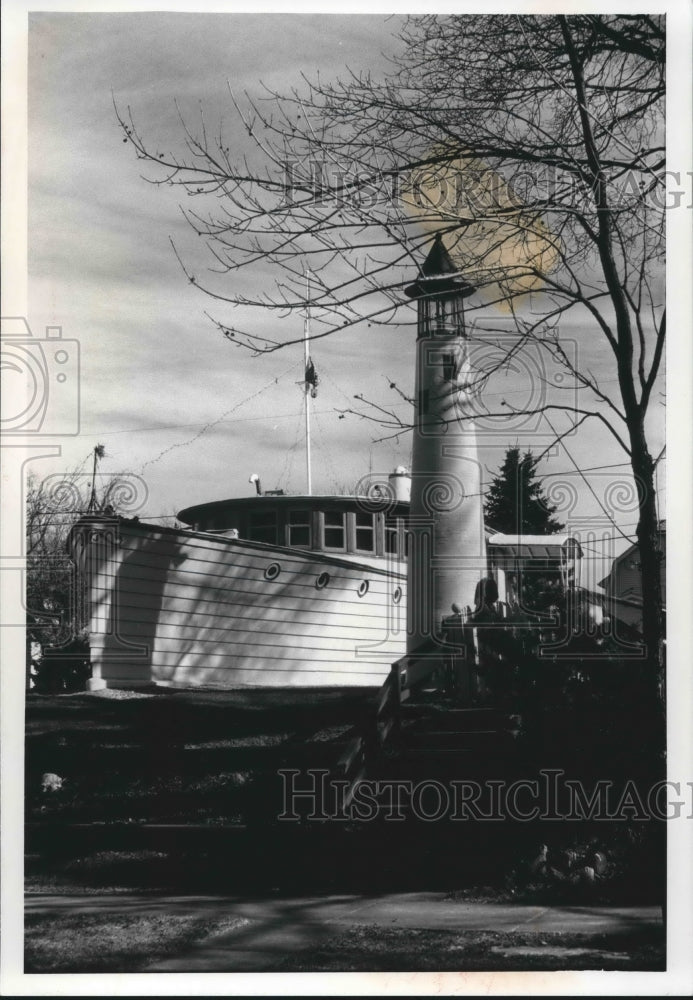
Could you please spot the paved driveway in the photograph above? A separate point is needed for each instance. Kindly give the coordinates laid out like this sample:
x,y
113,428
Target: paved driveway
x,y
270,929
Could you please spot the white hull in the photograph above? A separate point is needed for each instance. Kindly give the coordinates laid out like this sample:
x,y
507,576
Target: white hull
x,y
186,608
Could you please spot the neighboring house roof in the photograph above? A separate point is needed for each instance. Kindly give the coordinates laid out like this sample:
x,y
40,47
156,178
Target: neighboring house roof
x,y
534,546
622,557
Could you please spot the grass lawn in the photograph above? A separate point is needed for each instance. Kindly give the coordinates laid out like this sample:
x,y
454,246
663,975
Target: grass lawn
x,y
205,763
176,756
367,948
120,942
193,758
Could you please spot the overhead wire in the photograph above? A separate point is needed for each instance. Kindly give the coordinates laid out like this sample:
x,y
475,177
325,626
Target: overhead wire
x,y
197,423
218,420
289,458
582,475
326,451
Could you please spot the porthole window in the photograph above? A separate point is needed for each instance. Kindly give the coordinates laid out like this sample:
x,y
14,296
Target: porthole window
x,y
272,571
363,588
322,581
397,595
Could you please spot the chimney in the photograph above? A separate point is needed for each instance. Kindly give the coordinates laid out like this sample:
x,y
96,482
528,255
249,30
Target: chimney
x,y
400,483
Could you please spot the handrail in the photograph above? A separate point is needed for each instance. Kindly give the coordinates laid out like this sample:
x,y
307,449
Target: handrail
x,y
477,639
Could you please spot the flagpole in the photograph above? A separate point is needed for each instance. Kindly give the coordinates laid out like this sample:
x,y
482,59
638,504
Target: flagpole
x,y
306,384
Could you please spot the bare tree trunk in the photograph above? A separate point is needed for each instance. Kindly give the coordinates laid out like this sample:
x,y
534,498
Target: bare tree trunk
x,y
650,561
642,463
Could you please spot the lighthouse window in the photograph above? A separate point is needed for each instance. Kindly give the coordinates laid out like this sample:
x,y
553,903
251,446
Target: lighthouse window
x,y
335,535
449,367
299,527
446,313
439,315
423,401
364,531
263,526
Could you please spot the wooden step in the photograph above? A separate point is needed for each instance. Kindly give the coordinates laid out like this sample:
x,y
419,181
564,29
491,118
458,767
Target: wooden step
x,y
461,720
415,709
434,741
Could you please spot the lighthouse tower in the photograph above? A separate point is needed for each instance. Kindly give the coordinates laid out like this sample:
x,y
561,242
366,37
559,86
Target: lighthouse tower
x,y
447,556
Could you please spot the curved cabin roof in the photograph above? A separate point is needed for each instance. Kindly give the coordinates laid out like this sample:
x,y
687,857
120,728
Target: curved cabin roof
x,y
215,508
349,525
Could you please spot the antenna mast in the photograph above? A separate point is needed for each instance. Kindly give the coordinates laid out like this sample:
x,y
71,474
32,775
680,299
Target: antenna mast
x,y
306,384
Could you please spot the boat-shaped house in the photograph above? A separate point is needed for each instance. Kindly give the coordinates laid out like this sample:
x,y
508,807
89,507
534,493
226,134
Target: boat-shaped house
x,y
265,590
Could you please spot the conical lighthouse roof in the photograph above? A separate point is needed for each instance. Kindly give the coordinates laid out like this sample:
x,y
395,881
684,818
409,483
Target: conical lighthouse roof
x,y
438,275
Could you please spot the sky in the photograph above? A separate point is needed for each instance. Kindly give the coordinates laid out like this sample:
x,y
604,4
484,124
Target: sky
x,y
171,400
154,369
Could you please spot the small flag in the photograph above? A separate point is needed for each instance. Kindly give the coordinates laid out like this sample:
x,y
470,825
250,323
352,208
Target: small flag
x,y
311,378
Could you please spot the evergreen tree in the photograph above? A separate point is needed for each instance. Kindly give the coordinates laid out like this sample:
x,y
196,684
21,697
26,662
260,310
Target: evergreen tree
x,y
516,503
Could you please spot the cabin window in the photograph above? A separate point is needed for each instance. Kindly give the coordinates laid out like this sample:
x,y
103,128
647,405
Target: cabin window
x,y
263,526
365,538
335,534
299,528
391,540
